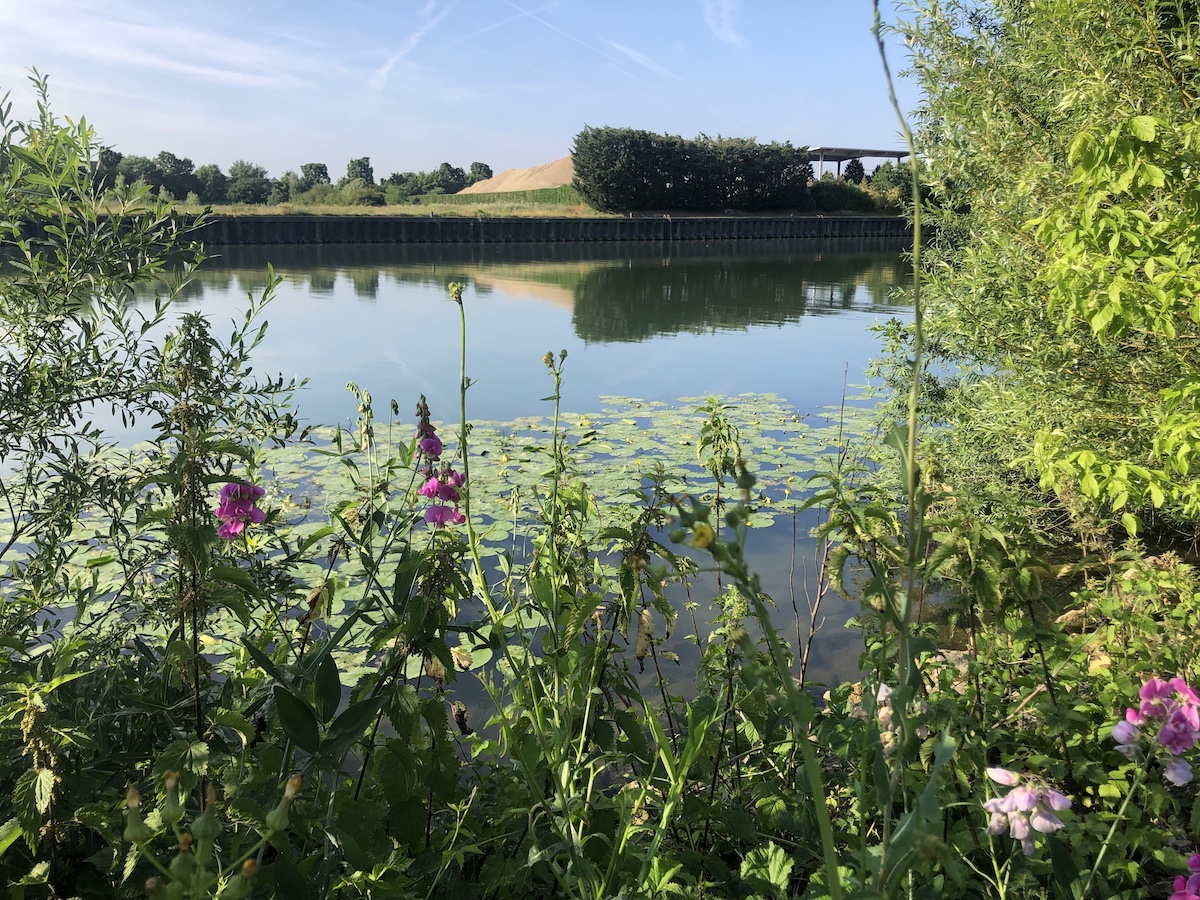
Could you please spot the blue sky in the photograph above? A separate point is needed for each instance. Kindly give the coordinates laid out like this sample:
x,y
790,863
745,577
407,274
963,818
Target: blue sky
x,y
413,83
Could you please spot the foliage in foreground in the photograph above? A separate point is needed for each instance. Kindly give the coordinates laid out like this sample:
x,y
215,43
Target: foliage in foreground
x,y
1061,147
176,646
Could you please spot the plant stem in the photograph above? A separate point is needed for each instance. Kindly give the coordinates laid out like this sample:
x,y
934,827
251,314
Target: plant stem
x,y
1137,781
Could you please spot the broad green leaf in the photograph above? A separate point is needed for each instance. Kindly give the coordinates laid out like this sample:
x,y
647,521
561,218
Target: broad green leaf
x,y
297,718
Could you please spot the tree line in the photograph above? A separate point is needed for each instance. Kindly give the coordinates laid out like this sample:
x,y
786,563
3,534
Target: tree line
x,y
180,179
616,169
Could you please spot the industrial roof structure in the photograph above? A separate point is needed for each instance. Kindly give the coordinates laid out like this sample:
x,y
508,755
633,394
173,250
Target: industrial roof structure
x,y
840,155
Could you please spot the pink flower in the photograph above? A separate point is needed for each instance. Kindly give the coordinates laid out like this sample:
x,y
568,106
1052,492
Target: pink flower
x,y
1176,706
238,508
1028,807
1003,776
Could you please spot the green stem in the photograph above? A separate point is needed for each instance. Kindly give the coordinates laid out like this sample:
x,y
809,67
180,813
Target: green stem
x,y
1137,781
481,587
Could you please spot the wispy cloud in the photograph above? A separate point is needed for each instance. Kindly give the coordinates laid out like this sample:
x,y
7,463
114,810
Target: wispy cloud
x,y
532,14
431,17
105,35
718,16
642,60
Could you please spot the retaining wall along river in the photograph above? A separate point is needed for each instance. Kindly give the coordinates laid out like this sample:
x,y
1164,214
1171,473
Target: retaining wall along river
x,y
433,230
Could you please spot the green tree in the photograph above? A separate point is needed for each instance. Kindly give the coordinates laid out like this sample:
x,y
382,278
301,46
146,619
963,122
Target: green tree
x,y
312,174
1060,140
853,171
361,170
212,185
135,169
284,188
628,169
248,183
175,175
448,179
478,172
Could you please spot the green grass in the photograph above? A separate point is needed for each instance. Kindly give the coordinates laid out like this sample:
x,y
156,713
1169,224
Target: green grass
x,y
564,195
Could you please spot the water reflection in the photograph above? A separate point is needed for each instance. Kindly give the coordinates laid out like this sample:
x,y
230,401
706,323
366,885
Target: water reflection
x,y
615,292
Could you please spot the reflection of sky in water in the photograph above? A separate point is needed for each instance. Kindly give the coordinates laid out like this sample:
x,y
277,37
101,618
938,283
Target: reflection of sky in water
x,y
789,318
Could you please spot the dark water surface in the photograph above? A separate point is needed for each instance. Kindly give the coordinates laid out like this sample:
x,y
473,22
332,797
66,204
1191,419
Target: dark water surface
x,y
649,321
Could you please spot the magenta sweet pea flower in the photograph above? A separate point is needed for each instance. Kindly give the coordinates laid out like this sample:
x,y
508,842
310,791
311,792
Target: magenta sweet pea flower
x,y
1187,888
1174,708
238,508
1177,734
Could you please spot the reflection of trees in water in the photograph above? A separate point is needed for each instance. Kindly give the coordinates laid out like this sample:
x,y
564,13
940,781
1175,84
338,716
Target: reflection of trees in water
x,y
633,303
622,291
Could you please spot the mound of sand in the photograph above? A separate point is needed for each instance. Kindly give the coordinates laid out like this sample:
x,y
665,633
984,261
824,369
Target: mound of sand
x,y
549,175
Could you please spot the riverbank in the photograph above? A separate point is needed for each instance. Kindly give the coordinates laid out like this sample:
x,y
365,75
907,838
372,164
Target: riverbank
x,y
292,229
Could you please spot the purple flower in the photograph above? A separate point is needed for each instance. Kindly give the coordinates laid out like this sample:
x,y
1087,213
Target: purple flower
x,y
1127,735
438,515
238,508
1178,734
1177,771
1187,888
430,446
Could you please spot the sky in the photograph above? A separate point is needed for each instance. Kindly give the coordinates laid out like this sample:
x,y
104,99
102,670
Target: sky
x,y
414,83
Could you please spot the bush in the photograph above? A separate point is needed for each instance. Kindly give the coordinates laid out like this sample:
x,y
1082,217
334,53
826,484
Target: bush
x,y
833,196
622,169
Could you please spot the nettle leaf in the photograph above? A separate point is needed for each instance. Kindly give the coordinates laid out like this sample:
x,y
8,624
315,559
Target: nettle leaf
x,y
766,870
44,789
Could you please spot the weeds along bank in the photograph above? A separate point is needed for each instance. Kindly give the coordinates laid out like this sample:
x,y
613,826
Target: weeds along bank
x,y
203,698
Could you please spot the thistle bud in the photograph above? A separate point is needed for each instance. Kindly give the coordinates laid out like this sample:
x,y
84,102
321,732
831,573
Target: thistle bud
x,y
172,809
277,819
207,827
136,831
239,885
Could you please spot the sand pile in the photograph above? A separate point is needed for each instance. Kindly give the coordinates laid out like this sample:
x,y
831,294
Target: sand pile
x,y
549,175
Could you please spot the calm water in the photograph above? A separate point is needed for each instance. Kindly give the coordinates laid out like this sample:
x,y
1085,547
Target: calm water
x,y
649,321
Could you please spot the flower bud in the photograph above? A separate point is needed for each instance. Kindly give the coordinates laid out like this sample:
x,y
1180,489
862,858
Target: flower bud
x,y
206,828
136,831
172,809
277,819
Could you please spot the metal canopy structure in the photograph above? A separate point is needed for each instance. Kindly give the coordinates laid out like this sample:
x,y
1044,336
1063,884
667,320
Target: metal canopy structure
x,y
840,155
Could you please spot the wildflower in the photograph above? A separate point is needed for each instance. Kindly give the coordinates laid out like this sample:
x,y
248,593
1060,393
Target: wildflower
x,y
1188,888
1127,735
239,508
439,515
1174,708
443,485
1030,806
1177,771
702,535
429,445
